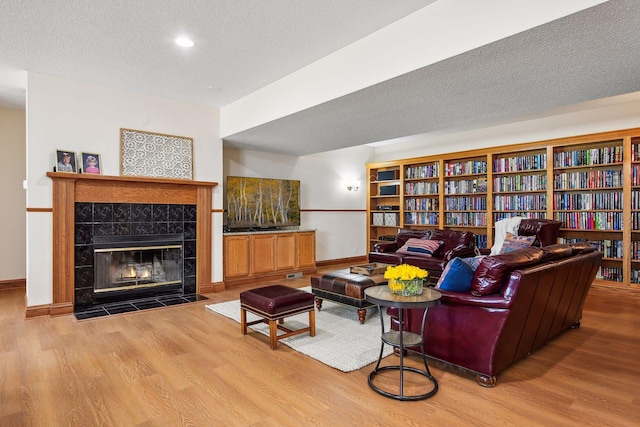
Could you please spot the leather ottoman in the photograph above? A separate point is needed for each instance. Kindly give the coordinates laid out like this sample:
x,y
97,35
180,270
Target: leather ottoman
x,y
273,304
344,287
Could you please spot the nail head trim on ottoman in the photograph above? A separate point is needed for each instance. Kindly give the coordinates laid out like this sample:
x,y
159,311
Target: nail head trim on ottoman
x,y
273,304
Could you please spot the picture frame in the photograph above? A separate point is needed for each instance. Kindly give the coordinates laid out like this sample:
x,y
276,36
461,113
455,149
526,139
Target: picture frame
x,y
91,163
150,154
66,161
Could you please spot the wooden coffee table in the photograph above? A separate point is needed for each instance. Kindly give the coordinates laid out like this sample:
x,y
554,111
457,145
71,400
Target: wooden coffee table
x,y
344,287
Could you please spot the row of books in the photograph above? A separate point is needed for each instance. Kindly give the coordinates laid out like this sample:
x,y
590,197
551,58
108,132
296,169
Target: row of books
x,y
419,188
589,157
481,240
635,199
635,175
590,220
423,171
472,219
635,276
635,249
588,201
497,216
465,168
520,163
520,183
610,248
635,151
535,202
467,203
635,220
421,204
591,179
613,274
465,186
421,218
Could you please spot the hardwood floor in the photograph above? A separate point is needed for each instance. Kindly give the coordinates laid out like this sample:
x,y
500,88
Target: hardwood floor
x,y
188,366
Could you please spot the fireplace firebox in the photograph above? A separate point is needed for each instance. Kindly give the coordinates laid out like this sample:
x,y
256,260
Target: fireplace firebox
x,y
125,263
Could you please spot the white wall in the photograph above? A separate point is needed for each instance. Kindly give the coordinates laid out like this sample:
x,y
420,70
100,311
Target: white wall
x,y
337,215
13,171
68,115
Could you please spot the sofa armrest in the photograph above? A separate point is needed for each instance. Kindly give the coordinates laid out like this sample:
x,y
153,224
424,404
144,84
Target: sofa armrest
x,y
385,247
465,298
460,251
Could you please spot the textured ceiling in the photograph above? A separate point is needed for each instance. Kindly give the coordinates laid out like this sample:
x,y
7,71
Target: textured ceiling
x,y
243,45
589,55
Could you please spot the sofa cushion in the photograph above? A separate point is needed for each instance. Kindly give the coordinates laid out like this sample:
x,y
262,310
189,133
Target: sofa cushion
x,y
420,247
457,276
494,270
512,243
582,248
557,251
452,239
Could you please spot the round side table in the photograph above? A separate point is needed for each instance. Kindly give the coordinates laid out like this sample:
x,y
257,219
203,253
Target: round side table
x,y
381,296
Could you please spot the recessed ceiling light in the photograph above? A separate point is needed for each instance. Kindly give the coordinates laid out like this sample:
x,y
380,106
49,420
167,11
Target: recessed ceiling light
x,y
184,42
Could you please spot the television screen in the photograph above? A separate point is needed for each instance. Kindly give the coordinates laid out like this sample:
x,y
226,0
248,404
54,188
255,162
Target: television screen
x,y
262,202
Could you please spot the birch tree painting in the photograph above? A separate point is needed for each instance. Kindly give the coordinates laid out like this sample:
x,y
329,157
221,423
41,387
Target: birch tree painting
x,y
262,202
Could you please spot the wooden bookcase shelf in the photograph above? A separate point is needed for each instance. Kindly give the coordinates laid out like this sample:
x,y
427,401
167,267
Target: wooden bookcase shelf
x,y
591,183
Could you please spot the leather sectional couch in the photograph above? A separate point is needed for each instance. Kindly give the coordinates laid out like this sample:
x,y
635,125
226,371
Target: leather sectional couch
x,y
517,302
456,244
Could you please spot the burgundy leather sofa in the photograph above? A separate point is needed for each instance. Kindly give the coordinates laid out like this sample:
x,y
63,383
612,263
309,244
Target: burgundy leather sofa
x,y
534,295
456,244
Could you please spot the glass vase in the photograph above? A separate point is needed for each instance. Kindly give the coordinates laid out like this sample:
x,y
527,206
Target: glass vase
x,y
406,288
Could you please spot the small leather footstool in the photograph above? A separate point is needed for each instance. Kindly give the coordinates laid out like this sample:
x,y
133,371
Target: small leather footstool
x,y
273,304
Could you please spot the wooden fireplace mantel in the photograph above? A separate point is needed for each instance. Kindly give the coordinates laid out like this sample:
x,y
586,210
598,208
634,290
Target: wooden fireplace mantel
x,y
69,188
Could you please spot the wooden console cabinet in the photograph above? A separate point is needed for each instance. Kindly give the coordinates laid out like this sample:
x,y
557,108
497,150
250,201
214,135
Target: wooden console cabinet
x,y
251,256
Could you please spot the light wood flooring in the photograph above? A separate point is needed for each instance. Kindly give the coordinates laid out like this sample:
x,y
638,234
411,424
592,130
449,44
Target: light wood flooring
x,y
188,366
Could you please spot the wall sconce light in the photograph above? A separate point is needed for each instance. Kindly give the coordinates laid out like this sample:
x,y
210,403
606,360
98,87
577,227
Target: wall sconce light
x,y
353,185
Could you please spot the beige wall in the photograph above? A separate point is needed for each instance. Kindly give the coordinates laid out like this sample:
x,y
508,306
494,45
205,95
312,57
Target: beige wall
x,y
12,195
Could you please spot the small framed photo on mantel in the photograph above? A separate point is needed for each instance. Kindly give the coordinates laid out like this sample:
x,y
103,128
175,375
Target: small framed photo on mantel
x,y
66,161
91,163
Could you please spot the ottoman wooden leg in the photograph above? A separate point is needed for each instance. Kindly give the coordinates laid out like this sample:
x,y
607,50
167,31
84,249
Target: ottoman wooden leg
x,y
273,334
243,321
319,303
362,315
312,323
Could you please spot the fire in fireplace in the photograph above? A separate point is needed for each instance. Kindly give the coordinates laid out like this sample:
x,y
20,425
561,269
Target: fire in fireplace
x,y
127,263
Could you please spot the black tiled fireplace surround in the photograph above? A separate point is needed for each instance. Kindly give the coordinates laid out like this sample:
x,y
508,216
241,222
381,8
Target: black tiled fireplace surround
x,y
121,219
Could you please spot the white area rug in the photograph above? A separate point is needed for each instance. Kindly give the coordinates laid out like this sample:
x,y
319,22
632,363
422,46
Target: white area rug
x,y
340,342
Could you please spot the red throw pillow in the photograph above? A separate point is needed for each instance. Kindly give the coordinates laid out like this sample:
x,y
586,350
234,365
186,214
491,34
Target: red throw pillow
x,y
420,247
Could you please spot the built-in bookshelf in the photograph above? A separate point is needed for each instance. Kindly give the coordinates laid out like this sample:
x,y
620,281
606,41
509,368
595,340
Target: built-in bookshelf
x,y
591,183
465,194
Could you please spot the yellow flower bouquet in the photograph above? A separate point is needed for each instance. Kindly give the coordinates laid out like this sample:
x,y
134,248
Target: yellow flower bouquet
x,y
405,279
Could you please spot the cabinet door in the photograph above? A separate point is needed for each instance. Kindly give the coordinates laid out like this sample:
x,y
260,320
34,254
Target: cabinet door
x,y
236,256
306,249
263,253
285,251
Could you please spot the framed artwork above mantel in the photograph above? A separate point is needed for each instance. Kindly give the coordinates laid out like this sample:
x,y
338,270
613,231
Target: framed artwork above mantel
x,y
149,154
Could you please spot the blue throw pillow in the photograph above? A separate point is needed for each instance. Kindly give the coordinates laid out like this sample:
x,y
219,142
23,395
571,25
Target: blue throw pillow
x,y
457,276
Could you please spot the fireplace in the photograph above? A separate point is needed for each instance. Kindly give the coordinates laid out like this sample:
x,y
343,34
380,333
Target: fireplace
x,y
73,201
128,251
127,264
